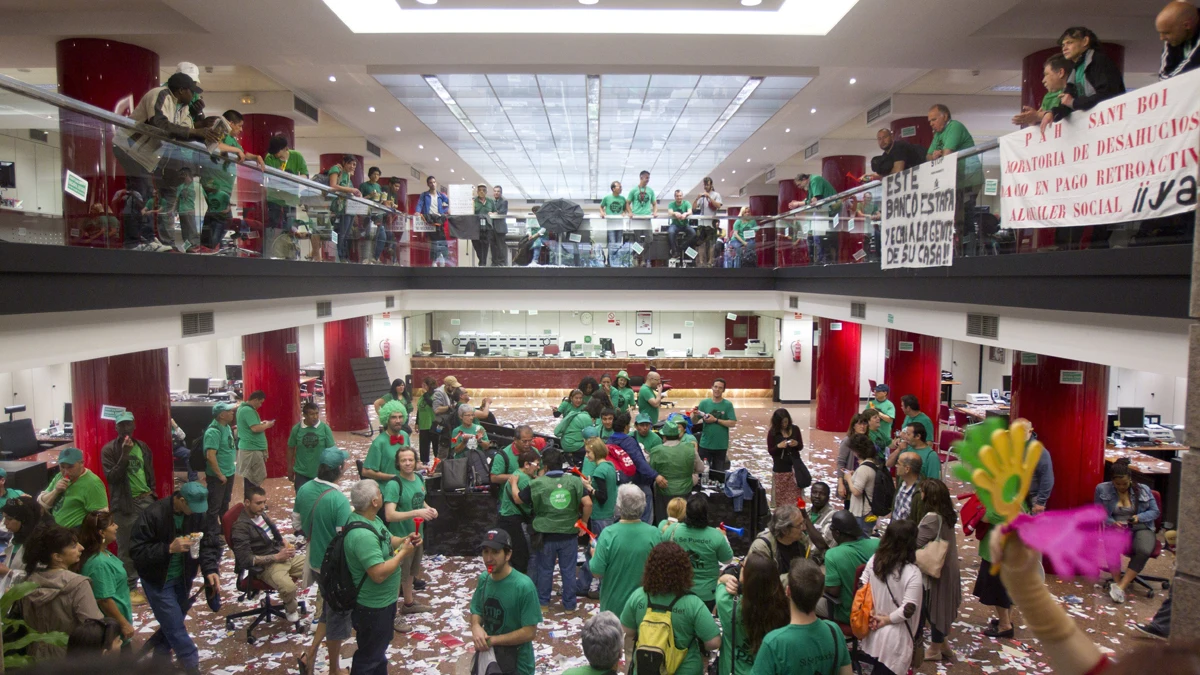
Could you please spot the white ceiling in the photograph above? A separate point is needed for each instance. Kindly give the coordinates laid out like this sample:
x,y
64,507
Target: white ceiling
x,y
767,5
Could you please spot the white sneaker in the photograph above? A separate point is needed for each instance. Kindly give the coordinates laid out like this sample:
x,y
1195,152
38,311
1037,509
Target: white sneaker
x,y
293,617
1116,593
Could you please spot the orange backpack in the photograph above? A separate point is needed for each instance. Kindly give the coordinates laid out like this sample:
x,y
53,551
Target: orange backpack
x,y
861,611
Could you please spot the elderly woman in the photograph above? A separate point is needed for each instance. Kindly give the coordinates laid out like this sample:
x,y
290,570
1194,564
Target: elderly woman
x,y
1130,506
602,639
461,436
784,540
621,549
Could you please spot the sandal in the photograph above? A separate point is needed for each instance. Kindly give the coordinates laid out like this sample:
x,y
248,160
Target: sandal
x,y
304,667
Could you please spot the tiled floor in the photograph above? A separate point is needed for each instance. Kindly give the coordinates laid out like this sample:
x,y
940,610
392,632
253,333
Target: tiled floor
x,y
437,643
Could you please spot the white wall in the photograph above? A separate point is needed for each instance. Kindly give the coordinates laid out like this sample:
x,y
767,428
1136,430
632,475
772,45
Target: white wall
x,y
1158,394
390,328
874,347
38,170
795,379
962,359
42,390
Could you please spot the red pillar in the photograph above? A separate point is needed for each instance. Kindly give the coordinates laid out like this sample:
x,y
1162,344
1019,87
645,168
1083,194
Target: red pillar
x,y
330,158
761,206
271,363
418,249
259,128
838,357
138,382
1069,419
344,340
843,171
915,130
110,75
914,366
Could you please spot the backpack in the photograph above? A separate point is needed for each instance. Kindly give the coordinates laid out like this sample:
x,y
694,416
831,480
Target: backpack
x,y
861,611
479,469
336,583
197,459
621,460
494,488
883,493
655,652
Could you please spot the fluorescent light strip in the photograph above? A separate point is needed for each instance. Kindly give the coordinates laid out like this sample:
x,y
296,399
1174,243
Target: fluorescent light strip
x,y
593,134
436,85
730,110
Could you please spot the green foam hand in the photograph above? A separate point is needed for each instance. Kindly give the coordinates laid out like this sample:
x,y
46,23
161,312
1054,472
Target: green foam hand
x,y
1000,462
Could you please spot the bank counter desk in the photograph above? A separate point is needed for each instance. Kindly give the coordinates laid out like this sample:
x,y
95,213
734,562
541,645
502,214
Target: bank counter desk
x,y
464,517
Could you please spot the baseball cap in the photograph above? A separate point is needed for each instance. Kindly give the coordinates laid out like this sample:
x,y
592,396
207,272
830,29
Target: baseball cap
x,y
590,432
70,455
676,418
223,407
451,381
845,522
671,430
190,69
184,81
882,387
495,539
3,473
334,458
642,418
196,496
124,417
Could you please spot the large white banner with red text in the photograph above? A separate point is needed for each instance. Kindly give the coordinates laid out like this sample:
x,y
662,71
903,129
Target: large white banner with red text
x,y
1129,158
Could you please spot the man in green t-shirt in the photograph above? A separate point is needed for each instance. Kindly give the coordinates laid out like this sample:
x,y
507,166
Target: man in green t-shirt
x,y
645,435
282,195
129,468
75,492
220,461
252,441
719,417
887,409
621,550
6,493
612,209
185,202
484,208
680,210
504,609
649,397
404,504
514,517
375,571
380,463
641,205
807,644
307,440
853,549
559,501
676,461
341,183
912,413
912,439
817,187
218,177
951,136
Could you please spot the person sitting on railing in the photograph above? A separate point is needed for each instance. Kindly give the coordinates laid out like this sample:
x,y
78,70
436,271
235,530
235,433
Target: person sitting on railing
x,y
1096,78
280,215
897,156
1055,73
680,210
1178,26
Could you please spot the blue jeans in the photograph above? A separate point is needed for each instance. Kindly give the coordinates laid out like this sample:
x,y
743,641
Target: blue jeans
x,y
343,225
673,236
170,604
564,552
585,574
439,248
736,247
648,512
382,237
615,240
374,632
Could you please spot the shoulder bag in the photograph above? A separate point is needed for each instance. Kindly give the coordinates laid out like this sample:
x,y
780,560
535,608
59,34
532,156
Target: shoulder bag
x,y
932,556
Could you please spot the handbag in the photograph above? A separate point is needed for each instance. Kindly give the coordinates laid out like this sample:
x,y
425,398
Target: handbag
x,y
455,474
800,471
932,556
861,611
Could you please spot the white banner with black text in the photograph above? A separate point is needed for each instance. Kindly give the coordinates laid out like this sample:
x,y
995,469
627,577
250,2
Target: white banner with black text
x,y
917,228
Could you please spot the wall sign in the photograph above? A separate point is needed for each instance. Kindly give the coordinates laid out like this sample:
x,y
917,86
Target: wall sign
x,y
644,323
891,318
76,186
293,348
1070,377
1028,359
906,346
836,325
731,316
455,322
110,412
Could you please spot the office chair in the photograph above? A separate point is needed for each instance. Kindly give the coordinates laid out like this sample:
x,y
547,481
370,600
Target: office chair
x,y
873,385
948,438
249,586
944,414
960,419
1144,580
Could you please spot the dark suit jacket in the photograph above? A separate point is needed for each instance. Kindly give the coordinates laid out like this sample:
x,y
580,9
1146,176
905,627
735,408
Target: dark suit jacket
x,y
248,540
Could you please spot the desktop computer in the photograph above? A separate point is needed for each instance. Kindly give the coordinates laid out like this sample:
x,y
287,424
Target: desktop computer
x,y
198,386
233,373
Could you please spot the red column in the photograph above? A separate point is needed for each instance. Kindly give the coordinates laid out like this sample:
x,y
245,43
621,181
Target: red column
x,y
110,75
1069,419
271,363
762,206
344,340
915,130
330,158
914,366
258,129
843,171
418,250
838,356
138,382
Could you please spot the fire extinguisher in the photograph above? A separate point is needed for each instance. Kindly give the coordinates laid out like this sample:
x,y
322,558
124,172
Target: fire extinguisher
x,y
797,351
386,348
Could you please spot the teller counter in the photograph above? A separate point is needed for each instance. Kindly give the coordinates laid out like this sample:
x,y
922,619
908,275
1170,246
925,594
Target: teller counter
x,y
550,376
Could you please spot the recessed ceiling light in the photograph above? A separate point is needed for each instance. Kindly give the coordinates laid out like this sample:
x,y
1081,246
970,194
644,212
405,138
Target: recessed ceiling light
x,y
332,78
751,3
853,80
397,128
787,130
764,147
588,2
436,159
427,2
722,180
813,111
371,109
735,171
747,160
451,170
420,147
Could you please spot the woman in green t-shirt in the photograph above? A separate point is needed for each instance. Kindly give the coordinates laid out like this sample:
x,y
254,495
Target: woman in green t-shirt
x,y
110,586
461,436
756,608
622,395
741,241
707,547
600,480
573,402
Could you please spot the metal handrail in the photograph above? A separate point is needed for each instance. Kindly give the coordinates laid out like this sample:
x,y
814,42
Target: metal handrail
x,y
56,99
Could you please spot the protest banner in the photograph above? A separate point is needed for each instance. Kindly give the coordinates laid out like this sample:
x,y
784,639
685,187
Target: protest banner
x,y
917,228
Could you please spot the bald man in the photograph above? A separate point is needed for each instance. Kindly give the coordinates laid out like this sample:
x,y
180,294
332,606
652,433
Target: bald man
x,y
1177,28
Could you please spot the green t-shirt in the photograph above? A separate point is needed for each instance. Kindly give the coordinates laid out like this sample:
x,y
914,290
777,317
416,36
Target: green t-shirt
x,y
463,433
556,502
295,163
309,443
407,495
676,464
819,188
343,180
924,420
748,229
368,188
175,566
137,472
931,466
507,506
381,456
320,517
424,414
219,437
9,495
622,398
185,198
841,562
1051,100
621,552
716,436
82,496
709,550
953,137
643,403
887,408
641,201
572,431
817,647
505,606
648,442
107,573
608,472
725,612
880,439
247,417
690,619
584,670
680,207
366,548
612,205
484,206
565,408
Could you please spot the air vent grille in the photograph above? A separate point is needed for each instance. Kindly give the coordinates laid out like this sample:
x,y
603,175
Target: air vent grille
x,y
305,108
858,310
983,326
324,309
770,174
414,173
389,301
196,323
812,150
374,149
39,135
793,302
742,191
880,110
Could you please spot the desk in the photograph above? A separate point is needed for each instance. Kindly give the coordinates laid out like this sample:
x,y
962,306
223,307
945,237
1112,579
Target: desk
x,y
948,390
979,412
53,442
313,370
308,384
30,477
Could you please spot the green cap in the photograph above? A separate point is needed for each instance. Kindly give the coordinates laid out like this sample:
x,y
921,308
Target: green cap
x,y
70,455
222,407
590,432
390,408
3,473
196,496
334,458
621,374
643,418
124,417
676,418
671,430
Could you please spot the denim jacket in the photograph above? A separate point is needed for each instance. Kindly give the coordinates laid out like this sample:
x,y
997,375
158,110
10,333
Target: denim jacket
x,y
425,205
737,487
1144,505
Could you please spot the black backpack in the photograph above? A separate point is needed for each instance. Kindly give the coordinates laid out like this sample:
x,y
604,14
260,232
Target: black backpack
x,y
505,456
883,493
197,461
337,585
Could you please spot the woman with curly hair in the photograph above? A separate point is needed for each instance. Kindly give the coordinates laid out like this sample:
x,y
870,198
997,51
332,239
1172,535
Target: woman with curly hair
x,y
106,571
758,608
62,599
21,515
666,583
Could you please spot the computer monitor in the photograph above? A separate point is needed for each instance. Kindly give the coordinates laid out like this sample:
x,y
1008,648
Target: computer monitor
x,y
482,351
198,386
606,344
435,346
1131,418
1007,382
67,414
568,345
233,373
